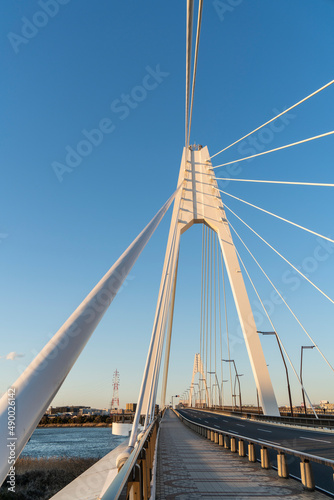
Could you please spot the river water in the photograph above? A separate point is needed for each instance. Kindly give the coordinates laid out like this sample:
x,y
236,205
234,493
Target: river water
x,y
71,442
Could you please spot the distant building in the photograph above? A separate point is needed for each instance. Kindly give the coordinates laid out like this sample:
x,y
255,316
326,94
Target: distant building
x,y
75,410
93,411
131,406
326,405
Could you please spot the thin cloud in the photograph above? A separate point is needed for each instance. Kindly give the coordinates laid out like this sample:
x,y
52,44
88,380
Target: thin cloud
x,y
12,355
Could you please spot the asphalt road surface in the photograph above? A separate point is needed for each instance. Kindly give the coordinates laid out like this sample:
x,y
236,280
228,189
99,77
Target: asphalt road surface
x,y
320,444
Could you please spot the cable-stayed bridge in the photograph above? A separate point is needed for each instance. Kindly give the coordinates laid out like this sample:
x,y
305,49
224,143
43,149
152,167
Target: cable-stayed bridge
x,y
196,200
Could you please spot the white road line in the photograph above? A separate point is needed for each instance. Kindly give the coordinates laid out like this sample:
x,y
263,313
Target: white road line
x,y
235,432
270,442
225,420
240,425
216,426
320,440
264,430
206,421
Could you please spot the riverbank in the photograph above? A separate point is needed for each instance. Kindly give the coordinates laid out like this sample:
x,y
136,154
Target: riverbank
x,y
41,478
86,424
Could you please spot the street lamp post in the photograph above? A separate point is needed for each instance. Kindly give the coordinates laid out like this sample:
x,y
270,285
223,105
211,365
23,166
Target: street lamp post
x,y
286,368
223,392
197,392
237,376
216,384
205,389
176,396
301,372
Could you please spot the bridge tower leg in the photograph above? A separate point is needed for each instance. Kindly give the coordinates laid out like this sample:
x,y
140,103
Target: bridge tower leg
x,y
198,202
198,368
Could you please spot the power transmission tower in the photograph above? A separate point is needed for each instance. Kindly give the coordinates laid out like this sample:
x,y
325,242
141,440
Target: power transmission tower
x,y
115,395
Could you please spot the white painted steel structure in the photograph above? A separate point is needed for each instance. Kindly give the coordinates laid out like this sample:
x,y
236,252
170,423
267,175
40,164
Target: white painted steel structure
x,y
198,368
40,382
199,202
196,201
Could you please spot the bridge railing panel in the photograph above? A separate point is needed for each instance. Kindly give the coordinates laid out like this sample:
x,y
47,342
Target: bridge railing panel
x,y
236,443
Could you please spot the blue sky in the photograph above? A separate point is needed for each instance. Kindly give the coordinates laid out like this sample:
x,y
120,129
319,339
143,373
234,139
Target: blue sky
x,y
65,78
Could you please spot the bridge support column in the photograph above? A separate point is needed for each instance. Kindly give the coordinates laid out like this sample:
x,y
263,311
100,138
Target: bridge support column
x,y
282,466
242,452
221,440
251,452
306,475
233,444
265,462
216,437
208,434
212,435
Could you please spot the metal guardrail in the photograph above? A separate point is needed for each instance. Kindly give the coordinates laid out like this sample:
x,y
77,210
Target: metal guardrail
x,y
303,421
228,440
136,473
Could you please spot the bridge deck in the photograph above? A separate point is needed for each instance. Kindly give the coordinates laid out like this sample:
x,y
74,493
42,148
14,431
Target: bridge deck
x,y
190,467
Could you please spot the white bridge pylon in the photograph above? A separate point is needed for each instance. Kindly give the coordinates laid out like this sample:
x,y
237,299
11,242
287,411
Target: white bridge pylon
x,y
199,202
198,368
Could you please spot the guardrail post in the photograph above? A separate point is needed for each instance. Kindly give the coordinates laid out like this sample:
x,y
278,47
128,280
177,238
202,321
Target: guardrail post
x,y
149,457
216,437
265,462
221,440
208,434
251,452
212,436
233,444
145,475
241,448
133,490
306,475
226,442
282,466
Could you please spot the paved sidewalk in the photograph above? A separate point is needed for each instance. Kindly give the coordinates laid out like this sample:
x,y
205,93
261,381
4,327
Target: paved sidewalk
x,y
191,467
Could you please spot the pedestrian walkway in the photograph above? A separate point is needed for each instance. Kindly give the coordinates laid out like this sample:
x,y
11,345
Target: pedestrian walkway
x,y
190,467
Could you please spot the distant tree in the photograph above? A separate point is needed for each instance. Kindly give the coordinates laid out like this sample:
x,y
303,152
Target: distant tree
x,y
97,419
